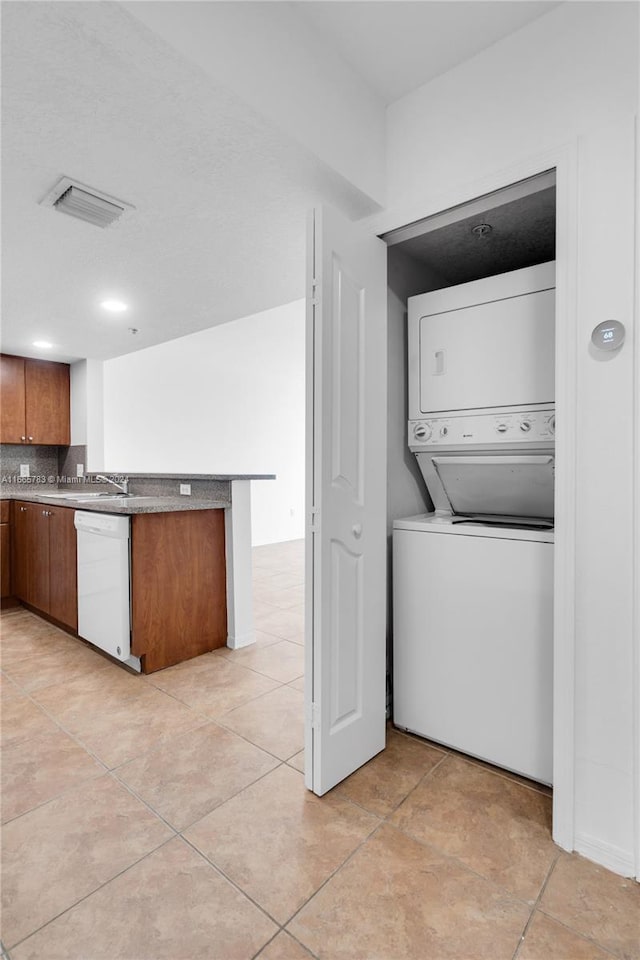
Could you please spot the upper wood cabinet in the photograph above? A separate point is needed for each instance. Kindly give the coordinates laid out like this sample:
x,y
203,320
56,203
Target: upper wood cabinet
x,y
34,401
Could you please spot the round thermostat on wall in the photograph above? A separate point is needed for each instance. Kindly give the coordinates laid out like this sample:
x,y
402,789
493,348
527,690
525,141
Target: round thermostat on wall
x,y
608,335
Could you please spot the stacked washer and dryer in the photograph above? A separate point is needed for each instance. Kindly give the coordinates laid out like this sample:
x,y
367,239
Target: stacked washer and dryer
x,y
473,580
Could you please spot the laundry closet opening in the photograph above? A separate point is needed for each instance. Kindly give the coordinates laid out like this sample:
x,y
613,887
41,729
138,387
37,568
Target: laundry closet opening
x,y
471,476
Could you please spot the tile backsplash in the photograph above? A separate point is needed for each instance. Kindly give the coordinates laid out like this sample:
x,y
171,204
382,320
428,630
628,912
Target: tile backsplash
x,y
48,465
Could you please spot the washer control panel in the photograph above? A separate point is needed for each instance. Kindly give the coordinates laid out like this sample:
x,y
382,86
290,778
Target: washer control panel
x,y
529,426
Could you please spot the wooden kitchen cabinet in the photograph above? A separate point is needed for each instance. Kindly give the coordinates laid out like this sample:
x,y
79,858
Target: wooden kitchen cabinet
x,y
44,560
5,549
178,586
34,401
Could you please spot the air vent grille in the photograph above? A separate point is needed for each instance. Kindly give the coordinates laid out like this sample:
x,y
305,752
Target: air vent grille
x,y
85,203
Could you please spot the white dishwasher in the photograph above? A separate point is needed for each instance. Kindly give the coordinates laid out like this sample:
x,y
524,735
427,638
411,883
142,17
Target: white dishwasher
x,y
104,605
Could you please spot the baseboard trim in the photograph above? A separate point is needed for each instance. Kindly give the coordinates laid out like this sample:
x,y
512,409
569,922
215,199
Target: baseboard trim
x,y
244,640
605,855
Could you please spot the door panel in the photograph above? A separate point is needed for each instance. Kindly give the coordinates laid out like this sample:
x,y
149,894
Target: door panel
x,y
48,402
12,408
38,557
19,550
63,574
346,488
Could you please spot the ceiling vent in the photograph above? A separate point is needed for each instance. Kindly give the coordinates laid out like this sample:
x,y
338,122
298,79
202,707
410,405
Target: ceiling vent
x,y
85,203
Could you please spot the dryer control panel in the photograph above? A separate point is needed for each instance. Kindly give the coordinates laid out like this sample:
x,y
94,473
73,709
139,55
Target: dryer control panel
x,y
495,429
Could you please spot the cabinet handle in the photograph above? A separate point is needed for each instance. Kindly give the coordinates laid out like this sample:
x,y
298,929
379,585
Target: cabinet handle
x,y
23,438
30,439
23,509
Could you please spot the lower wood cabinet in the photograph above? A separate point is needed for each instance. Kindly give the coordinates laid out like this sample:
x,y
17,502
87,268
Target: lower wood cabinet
x,y
44,567
178,586
5,549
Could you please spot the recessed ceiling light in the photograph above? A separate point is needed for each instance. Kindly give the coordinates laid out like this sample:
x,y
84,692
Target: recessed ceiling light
x,y
42,344
114,306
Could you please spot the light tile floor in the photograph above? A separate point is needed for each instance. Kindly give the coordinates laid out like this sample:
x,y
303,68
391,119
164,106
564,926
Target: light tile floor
x,y
166,817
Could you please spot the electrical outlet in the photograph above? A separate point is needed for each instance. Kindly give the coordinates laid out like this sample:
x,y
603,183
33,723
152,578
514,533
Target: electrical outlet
x,y
185,489
24,469
79,469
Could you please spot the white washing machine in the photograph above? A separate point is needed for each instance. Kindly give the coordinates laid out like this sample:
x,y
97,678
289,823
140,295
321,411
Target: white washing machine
x,y
473,639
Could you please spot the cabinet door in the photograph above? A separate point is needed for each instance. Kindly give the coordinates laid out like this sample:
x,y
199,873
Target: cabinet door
x,y
12,395
63,580
38,556
20,548
5,560
48,402
178,586
31,554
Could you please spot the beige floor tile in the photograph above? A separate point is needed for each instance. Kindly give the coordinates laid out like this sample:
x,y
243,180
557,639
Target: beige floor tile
x,y
287,579
548,940
21,720
266,591
284,947
56,665
282,661
172,905
279,842
211,684
76,700
39,769
8,689
387,779
195,772
399,899
297,761
261,610
64,850
596,903
495,826
30,637
274,722
297,684
287,624
135,727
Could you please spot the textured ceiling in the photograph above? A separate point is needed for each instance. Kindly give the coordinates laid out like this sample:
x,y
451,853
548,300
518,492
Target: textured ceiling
x,y
220,195
398,46
523,232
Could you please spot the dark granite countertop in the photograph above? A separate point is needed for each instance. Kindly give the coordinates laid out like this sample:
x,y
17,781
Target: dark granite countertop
x,y
123,505
183,476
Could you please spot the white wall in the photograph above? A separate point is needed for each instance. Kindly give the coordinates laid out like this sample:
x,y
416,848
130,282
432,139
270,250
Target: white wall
x,y
570,78
87,419
572,70
225,400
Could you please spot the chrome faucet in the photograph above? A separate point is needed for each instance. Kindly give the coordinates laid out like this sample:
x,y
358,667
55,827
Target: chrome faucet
x,y
122,487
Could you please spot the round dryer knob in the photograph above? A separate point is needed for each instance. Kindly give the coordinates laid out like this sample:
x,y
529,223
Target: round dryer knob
x,y
422,431
525,426
502,427
552,424
444,431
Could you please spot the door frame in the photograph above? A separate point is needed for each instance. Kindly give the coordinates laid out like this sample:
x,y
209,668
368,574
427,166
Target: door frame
x,y
564,160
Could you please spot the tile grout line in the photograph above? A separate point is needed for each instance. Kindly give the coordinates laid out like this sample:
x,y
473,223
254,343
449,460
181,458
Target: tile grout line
x,y
582,936
92,892
535,905
460,863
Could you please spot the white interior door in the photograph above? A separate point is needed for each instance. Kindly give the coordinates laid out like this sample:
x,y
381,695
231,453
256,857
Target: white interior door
x,y
346,499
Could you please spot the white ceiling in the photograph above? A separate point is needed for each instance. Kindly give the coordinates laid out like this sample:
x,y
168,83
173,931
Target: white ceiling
x,y
220,192
399,46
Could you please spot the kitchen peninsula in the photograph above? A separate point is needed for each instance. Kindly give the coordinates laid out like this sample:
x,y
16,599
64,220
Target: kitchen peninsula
x,y
190,557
